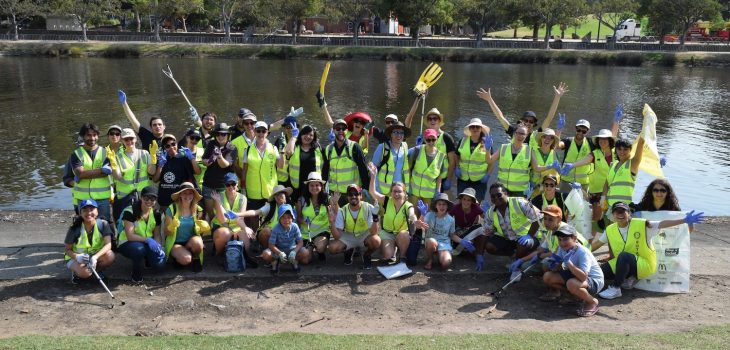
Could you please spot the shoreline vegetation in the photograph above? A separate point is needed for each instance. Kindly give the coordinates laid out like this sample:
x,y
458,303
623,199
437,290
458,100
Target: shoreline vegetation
x,y
523,56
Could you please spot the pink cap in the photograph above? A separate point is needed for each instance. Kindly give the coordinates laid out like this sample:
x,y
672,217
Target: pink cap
x,y
430,133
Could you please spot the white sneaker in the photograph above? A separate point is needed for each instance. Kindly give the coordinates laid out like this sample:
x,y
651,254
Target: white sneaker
x,y
516,276
629,283
610,293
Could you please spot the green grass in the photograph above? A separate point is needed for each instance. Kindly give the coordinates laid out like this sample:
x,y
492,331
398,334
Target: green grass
x,y
702,338
588,25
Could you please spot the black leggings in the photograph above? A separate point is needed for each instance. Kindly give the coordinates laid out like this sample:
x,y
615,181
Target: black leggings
x,y
625,267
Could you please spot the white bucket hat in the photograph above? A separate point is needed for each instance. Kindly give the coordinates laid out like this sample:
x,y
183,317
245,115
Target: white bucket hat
x,y
603,134
475,122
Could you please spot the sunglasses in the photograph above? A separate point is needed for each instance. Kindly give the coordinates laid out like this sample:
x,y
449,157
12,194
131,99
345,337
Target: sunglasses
x,y
231,184
581,130
149,198
115,134
352,194
475,127
194,138
249,122
129,139
433,118
430,140
171,144
398,133
388,122
549,184
260,131
496,195
659,190
339,128
528,121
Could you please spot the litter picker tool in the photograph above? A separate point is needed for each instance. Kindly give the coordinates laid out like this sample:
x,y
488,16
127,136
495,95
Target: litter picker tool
x,y
168,73
430,76
498,293
98,278
322,82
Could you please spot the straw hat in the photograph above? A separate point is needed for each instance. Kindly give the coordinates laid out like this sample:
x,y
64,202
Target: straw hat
x,y
475,122
549,132
435,111
186,186
278,189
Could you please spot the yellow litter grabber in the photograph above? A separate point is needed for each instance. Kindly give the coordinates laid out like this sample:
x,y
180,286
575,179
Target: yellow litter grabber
x,y
322,82
430,76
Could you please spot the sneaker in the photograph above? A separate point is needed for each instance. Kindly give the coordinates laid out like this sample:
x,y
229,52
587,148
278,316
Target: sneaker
x,y
137,277
367,262
629,283
197,265
516,276
611,292
348,256
275,267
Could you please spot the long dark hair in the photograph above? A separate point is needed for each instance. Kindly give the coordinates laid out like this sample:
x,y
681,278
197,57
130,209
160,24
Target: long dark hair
x,y
647,201
322,197
305,130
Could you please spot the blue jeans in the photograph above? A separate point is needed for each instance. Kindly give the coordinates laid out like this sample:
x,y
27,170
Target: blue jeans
x,y
104,209
138,252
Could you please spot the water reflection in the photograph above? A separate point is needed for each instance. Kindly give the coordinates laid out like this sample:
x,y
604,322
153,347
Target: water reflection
x,y
43,102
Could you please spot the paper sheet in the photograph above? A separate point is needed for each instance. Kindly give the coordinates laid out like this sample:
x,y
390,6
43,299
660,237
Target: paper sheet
x,y
394,271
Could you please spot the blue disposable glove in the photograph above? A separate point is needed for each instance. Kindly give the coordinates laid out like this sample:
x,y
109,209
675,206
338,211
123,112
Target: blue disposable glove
x,y
693,218
556,166
419,140
457,172
467,245
122,96
662,161
567,167
230,215
445,185
294,131
488,141
528,191
480,262
188,153
553,261
535,259
484,179
106,169
331,136
485,206
561,121
515,266
576,186
422,207
194,114
76,179
153,245
161,158
526,241
618,114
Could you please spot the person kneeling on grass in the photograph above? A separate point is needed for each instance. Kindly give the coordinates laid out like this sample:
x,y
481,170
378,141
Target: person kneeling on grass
x,y
632,254
88,243
285,242
440,228
574,267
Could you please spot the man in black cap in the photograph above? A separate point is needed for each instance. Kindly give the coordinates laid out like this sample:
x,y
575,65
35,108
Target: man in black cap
x,y
244,124
219,156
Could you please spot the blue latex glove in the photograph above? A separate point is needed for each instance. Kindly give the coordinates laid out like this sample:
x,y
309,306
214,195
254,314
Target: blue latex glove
x,y
561,121
153,245
331,136
618,114
693,218
535,259
422,207
161,158
106,169
194,114
230,215
576,186
467,245
526,241
567,167
457,172
291,120
484,179
480,262
662,161
419,140
515,266
553,261
528,190
294,131
485,206
556,166
488,141
445,185
122,96
188,153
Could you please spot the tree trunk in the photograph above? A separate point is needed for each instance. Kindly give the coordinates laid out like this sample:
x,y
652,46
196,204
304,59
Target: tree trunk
x,y
15,29
598,35
548,30
227,28
683,36
157,30
294,32
83,32
535,28
514,32
480,35
356,33
138,20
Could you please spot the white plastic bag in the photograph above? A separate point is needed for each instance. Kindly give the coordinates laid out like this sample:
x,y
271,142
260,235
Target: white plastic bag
x,y
672,254
579,213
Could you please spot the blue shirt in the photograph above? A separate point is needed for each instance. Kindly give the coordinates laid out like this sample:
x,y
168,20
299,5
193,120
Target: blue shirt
x,y
439,229
398,157
285,239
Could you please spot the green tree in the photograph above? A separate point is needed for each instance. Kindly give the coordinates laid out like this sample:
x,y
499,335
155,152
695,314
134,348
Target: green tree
x,y
481,15
415,13
20,10
183,8
350,10
680,15
85,12
294,11
549,13
612,12
139,7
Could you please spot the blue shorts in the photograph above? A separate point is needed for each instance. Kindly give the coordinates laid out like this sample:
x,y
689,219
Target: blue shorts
x,y
442,244
592,284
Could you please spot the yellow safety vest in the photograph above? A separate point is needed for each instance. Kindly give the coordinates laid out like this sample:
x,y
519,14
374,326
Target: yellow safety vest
x,y
361,141
274,217
142,228
440,144
129,171
518,220
554,243
241,144
96,188
514,173
635,244
261,175
424,175
318,221
170,240
83,245
294,164
357,226
473,164
578,174
201,164
236,207
620,183
343,170
386,171
600,171
396,221
544,161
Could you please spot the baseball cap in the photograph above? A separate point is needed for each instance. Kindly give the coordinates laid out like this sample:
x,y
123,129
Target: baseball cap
x,y
354,187
583,122
429,133
193,132
88,202
619,205
553,210
261,124
127,133
149,191
115,126
566,230
230,177
391,116
246,114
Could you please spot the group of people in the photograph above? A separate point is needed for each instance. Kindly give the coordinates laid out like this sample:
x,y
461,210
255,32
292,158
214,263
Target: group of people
x,y
293,197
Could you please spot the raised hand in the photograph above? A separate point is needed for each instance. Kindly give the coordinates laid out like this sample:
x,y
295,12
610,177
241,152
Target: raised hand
x,y
693,218
561,89
488,141
618,114
662,161
419,140
331,136
122,96
485,95
561,121
194,114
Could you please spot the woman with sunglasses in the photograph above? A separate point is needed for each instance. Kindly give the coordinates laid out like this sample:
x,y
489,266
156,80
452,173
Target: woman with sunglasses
x,y
529,118
228,223
131,169
139,237
550,195
444,142
471,172
313,219
219,156
429,167
621,177
183,227
173,168
193,139
260,163
390,159
88,243
305,156
356,129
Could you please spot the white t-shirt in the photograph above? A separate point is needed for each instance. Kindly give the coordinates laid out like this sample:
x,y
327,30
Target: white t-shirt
x,y
651,230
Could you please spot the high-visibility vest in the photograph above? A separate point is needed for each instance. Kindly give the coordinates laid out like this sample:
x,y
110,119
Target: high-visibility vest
x,y
232,224
518,220
357,226
295,166
514,173
201,164
440,144
129,171
580,173
318,220
620,183
170,239
142,228
96,188
261,175
473,164
424,176
362,141
386,171
343,170
544,161
635,244
82,245
241,143
600,171
395,221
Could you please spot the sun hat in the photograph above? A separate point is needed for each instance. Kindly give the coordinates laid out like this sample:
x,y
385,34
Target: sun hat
x,y
278,189
150,190
475,122
583,122
286,208
603,134
127,133
221,128
435,111
88,202
115,126
441,197
350,119
553,210
186,186
314,177
551,133
469,192
398,125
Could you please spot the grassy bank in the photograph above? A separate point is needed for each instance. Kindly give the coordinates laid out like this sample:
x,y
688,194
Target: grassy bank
x,y
704,338
571,57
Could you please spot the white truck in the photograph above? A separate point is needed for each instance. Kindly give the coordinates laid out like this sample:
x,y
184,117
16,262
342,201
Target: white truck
x,y
628,30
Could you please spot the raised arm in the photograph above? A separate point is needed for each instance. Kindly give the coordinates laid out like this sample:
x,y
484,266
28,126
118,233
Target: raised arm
x,y
636,160
559,92
412,111
327,116
486,95
128,111
374,191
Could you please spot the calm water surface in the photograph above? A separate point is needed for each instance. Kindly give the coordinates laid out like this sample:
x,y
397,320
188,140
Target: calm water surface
x,y
43,102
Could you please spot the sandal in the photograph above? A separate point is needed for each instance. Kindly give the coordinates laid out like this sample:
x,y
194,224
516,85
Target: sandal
x,y
547,297
588,312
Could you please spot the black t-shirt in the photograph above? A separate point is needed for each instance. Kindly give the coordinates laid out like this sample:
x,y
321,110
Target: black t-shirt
x,y
449,143
235,132
146,137
379,134
558,200
129,216
358,157
176,171
73,234
214,174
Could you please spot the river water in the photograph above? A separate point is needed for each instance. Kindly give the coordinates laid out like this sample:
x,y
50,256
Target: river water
x,y
44,101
